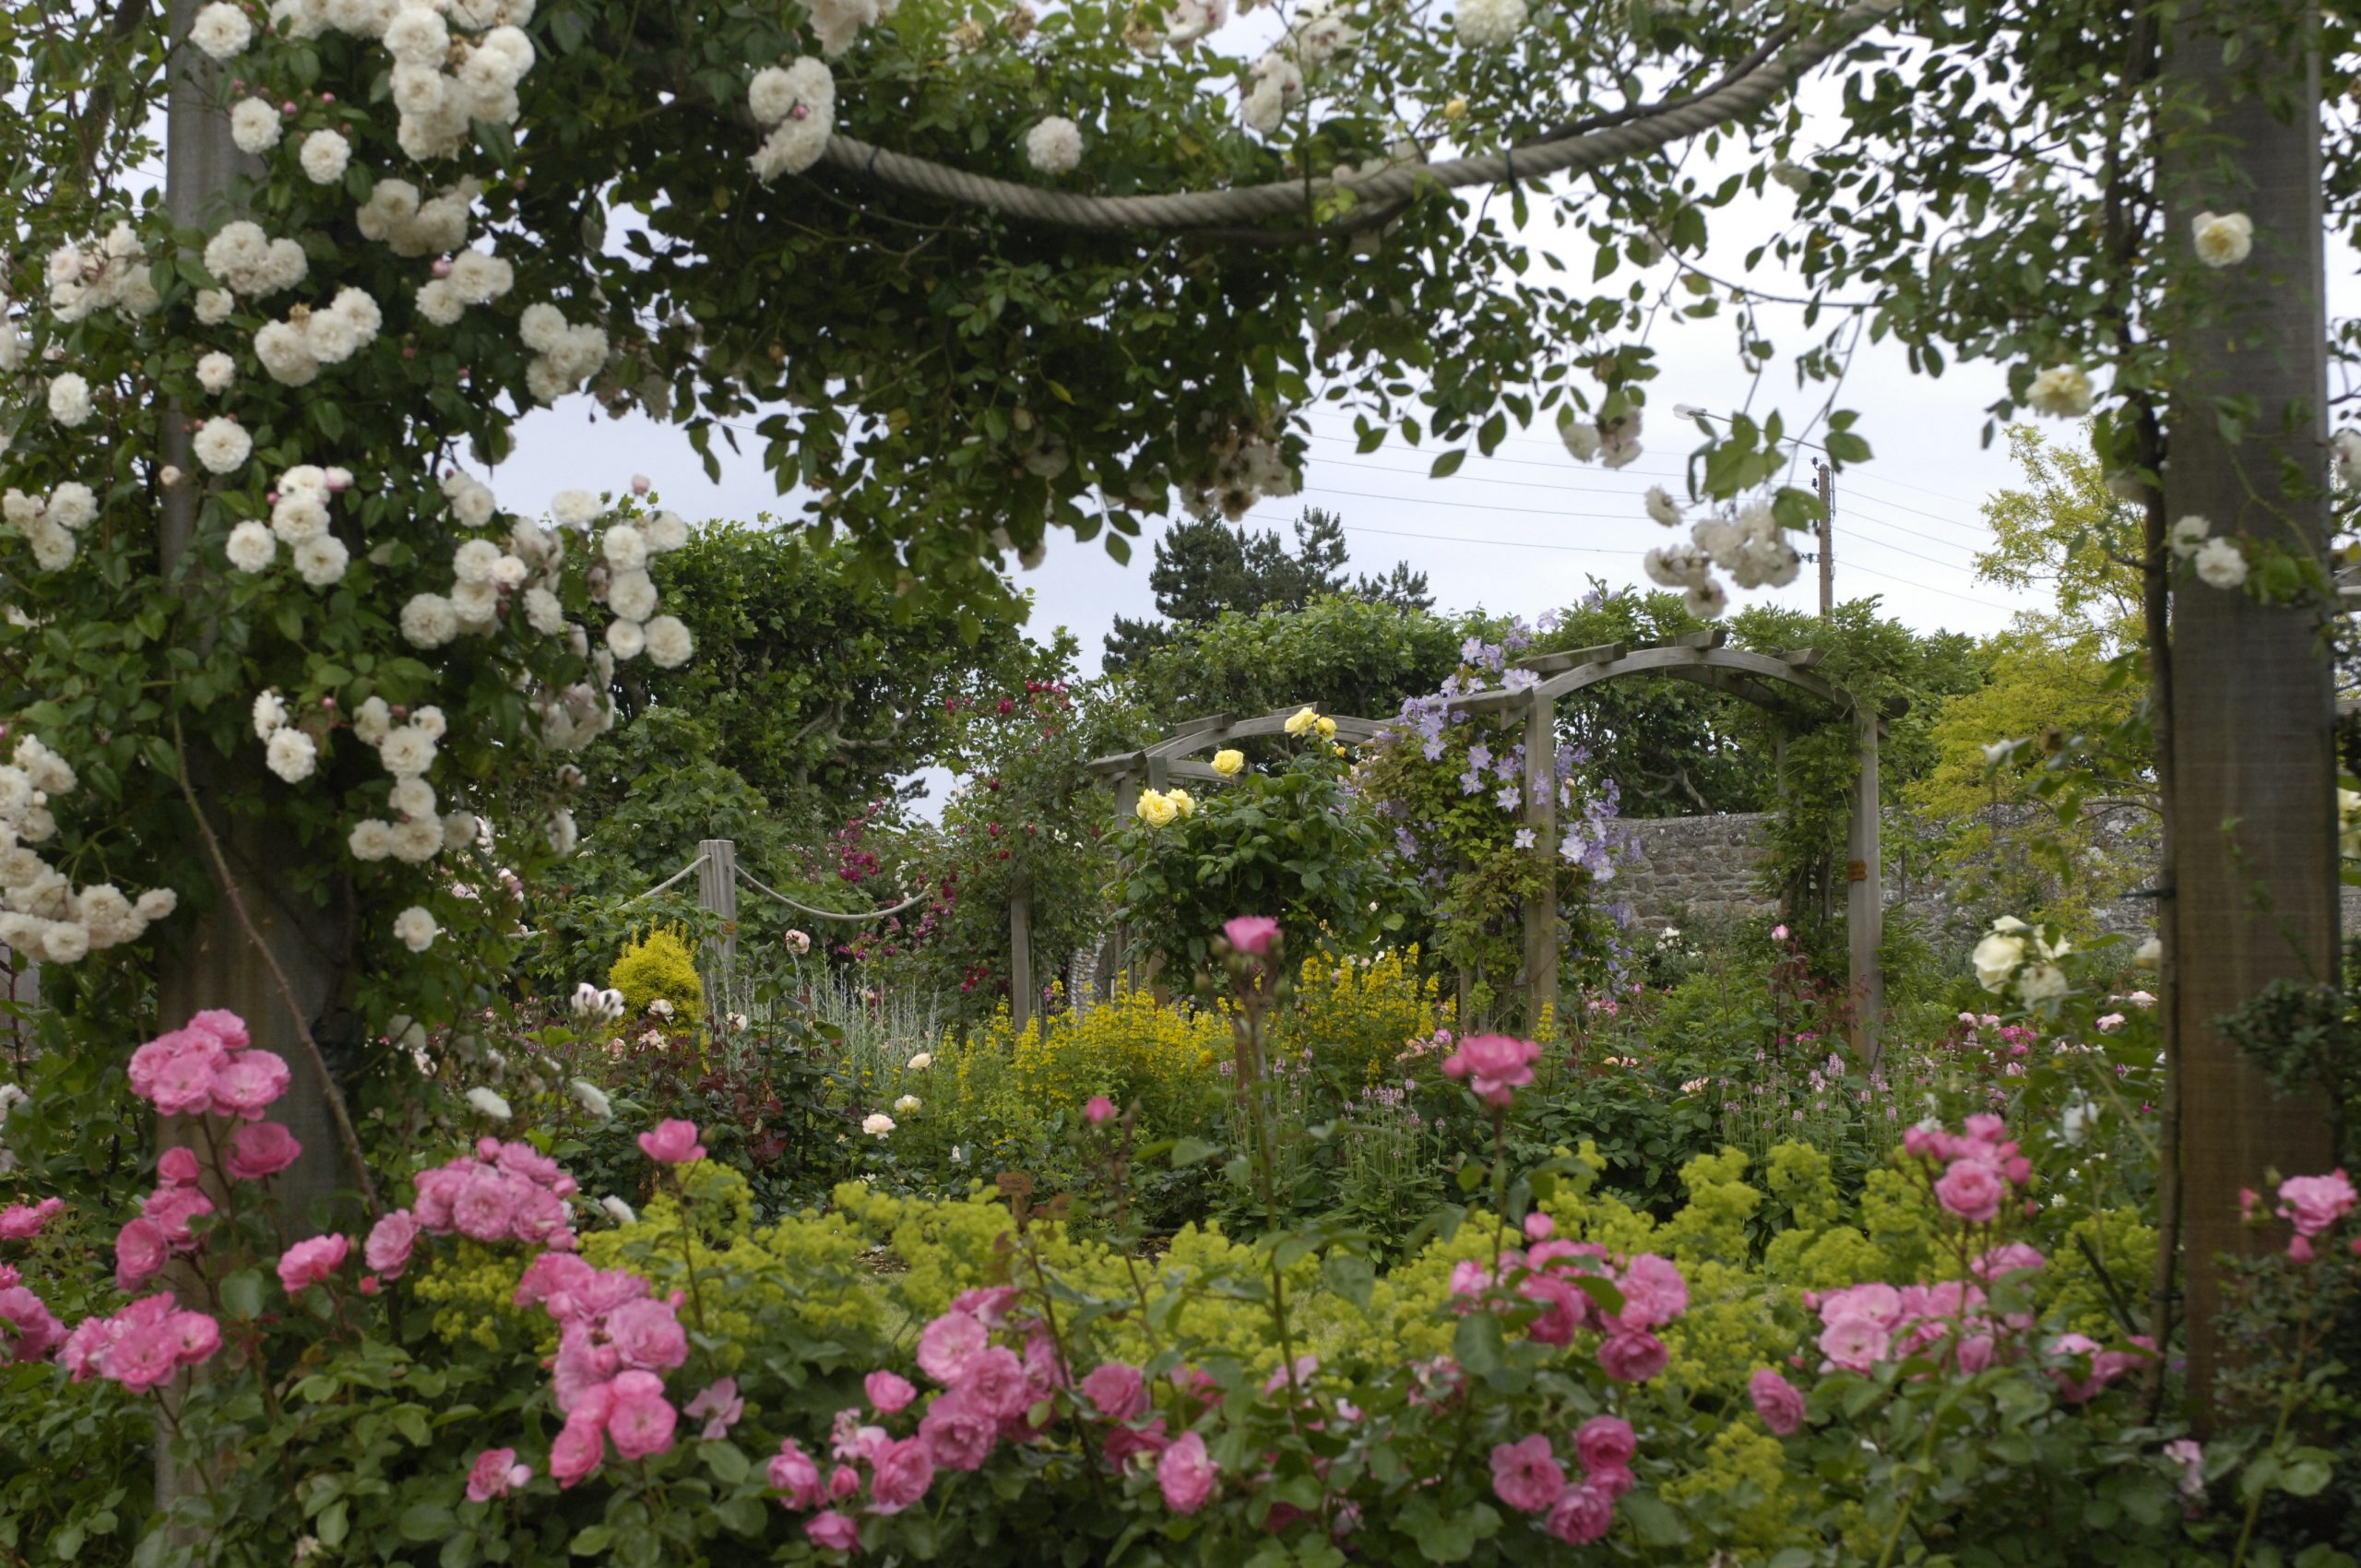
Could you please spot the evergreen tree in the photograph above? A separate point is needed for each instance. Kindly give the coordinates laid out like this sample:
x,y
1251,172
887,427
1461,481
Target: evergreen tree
x,y
1206,566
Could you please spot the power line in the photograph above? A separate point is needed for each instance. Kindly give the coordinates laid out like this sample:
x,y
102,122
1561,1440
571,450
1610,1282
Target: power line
x,y
1504,543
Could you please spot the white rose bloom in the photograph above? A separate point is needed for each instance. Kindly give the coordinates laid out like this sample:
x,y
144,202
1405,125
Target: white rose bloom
x,y
476,605
217,372
440,303
222,446
157,902
474,561
877,1124
2150,955
360,311
215,306
331,337
463,828
481,279
575,508
54,549
415,841
665,532
2042,982
1581,437
69,401
542,327
472,501
1706,600
837,22
921,1061
291,755
371,839
669,644
321,560
1663,507
413,797
286,353
2061,392
795,144
1487,24
298,517
625,639
373,722
591,1098
269,713
408,751
221,30
430,721
625,547
65,942
1996,959
563,835
1054,147
543,613
2220,563
417,36
907,1105
2223,239
2189,533
252,546
429,621
254,126
324,157
484,1100
71,507
618,1210
632,595
1278,84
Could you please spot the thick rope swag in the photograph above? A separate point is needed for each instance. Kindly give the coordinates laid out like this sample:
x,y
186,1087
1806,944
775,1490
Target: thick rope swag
x,y
1547,154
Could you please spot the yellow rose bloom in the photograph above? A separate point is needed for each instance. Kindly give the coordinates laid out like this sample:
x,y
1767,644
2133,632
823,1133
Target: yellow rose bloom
x,y
1327,728
1181,801
1155,808
1302,721
1228,763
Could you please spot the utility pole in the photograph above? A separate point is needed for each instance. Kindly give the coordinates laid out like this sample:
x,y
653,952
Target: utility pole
x,y
1825,481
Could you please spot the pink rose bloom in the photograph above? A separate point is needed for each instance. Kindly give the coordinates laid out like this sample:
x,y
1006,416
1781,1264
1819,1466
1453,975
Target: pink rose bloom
x,y
2190,1456
28,1330
1857,1344
260,1149
641,1425
310,1263
1117,1390
2299,1248
1495,1067
390,1240
145,1357
2312,1204
549,1279
1611,1482
1582,1515
224,1027
184,1081
1605,1443
1186,1474
1880,1305
1975,1353
994,1379
248,1083
673,1141
2076,1390
795,1476
958,1435
580,1447
1985,1128
890,1393
1567,1309
22,1222
485,1206
177,1168
139,1253
1525,1475
196,1336
1098,1110
1654,1292
647,1336
1776,1401
832,1531
903,1473
946,1345
1633,1357
496,1474
843,1482
2010,1259
718,1406
1251,933
987,1304
173,1209
1972,1190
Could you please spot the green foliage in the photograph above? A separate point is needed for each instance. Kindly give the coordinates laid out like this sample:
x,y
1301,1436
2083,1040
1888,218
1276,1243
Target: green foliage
x,y
659,964
1343,654
2067,534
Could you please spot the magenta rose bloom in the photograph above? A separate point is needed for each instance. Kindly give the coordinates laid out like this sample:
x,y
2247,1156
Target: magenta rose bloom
x,y
1098,1109
261,1149
1633,1357
1605,1443
139,1253
247,1084
1525,1475
2312,1204
1971,1190
22,1222
1653,1291
28,1330
177,1168
647,1336
795,1476
994,1379
581,1448
197,1337
1857,1344
958,1435
1251,933
641,1424
1185,1472
673,1141
903,1473
185,1082
890,1393
496,1474
947,1344
145,1357
832,1531
1582,1515
309,1262
173,1209
390,1240
224,1027
1117,1390
718,1406
1776,1401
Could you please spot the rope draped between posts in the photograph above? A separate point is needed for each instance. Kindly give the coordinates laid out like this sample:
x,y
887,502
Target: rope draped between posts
x,y
669,881
1551,153
758,885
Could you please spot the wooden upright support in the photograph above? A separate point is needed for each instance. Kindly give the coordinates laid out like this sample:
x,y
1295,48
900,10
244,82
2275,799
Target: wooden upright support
x,y
1022,983
1541,816
717,892
1865,893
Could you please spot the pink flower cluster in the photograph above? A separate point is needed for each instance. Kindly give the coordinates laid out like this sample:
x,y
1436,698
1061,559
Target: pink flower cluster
x,y
508,1192
1495,1067
1862,1326
22,1222
165,1225
2312,1205
311,1261
1549,1274
143,1346
207,1067
1980,1165
28,1330
1527,1476
615,1342
496,1473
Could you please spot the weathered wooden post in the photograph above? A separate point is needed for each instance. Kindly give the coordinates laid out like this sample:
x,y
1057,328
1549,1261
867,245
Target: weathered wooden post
x,y
1020,985
717,892
1865,891
1541,816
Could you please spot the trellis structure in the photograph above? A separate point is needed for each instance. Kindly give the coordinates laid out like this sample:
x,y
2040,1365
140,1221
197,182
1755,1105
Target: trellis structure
x,y
1702,658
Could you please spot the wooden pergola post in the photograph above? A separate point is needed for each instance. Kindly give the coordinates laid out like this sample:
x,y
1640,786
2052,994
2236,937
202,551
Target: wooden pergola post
x,y
1865,892
1541,816
1020,957
717,892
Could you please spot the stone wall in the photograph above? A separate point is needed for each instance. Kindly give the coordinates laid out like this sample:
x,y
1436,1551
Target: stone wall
x,y
1704,867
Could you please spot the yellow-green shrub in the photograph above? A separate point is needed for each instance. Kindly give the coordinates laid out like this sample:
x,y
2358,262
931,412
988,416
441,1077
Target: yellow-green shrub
x,y
1355,1017
659,963
1128,1048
